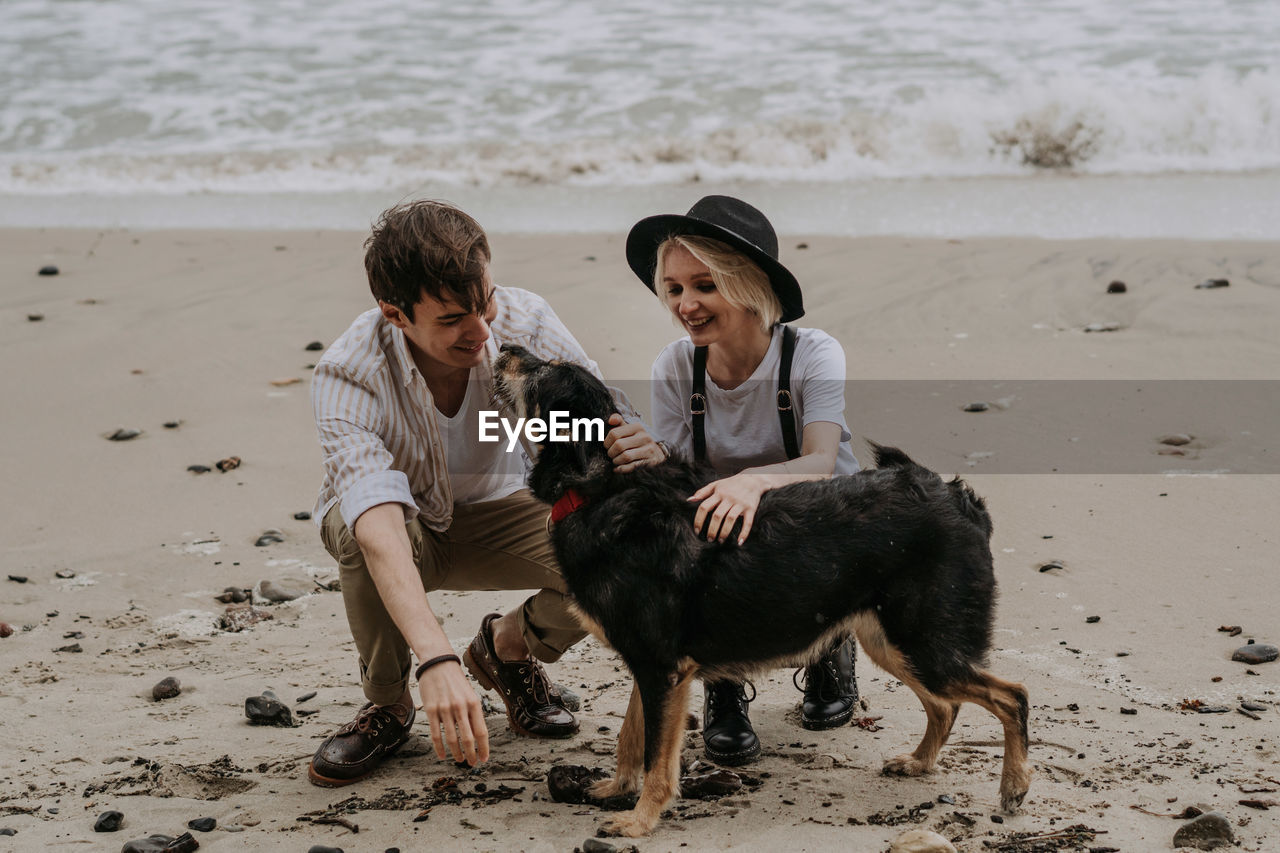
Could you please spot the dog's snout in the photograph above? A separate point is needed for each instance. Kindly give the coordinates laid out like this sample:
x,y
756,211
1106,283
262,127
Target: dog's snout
x,y
514,349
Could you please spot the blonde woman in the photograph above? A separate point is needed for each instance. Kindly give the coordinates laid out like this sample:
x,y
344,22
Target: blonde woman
x,y
761,403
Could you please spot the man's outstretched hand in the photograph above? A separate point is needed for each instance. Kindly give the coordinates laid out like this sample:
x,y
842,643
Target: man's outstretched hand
x,y
454,714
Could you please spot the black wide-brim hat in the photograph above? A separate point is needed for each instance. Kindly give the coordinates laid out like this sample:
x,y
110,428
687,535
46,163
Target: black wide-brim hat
x,y
729,220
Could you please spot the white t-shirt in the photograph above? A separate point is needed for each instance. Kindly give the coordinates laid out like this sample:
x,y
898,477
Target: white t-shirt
x,y
741,425
476,472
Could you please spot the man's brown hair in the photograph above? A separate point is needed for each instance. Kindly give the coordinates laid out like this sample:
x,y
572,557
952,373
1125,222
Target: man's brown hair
x,y
427,247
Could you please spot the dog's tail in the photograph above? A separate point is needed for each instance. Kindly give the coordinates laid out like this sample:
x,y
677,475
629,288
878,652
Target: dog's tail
x,y
889,457
971,504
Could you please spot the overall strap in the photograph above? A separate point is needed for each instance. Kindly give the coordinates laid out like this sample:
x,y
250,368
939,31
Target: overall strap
x,y
786,413
698,404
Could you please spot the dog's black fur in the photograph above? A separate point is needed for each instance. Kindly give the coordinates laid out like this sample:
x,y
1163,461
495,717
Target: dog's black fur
x,y
894,554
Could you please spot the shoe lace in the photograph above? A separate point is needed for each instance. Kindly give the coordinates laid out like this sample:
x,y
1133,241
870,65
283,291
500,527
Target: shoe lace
x,y
720,697
821,675
370,720
540,687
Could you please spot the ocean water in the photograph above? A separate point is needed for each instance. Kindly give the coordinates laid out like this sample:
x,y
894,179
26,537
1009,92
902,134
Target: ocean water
x,y
869,117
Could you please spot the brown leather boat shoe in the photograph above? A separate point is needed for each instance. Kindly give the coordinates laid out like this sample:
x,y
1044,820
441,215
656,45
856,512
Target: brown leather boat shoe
x,y
534,705
359,748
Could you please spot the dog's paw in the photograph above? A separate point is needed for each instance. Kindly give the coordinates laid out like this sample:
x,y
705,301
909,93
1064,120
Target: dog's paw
x,y
615,786
905,765
627,825
1013,791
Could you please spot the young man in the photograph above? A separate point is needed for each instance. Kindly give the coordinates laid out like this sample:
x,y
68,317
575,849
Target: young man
x,y
412,501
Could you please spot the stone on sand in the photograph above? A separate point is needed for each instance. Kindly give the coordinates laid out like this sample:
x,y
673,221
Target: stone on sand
x,y
1209,831
921,841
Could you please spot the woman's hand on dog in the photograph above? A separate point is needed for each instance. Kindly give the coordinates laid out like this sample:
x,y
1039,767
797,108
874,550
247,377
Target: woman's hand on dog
x,y
725,501
454,714
630,445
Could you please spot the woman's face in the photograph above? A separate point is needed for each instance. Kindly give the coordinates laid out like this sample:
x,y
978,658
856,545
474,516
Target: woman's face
x,y
694,300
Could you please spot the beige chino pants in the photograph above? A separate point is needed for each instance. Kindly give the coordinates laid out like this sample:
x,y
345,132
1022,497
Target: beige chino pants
x,y
494,545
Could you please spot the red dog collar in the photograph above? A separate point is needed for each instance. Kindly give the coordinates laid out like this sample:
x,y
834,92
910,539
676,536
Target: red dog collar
x,y
562,508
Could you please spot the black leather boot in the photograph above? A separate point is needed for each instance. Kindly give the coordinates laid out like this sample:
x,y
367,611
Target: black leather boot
x,y
830,688
726,730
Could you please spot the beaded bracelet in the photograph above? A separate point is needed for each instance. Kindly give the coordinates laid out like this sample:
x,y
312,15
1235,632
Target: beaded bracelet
x,y
427,664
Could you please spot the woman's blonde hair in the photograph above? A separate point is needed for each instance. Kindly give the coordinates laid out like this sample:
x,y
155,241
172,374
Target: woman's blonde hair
x,y
739,279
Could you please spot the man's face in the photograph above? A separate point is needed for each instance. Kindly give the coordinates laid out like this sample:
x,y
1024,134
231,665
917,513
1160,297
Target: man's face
x,y
444,333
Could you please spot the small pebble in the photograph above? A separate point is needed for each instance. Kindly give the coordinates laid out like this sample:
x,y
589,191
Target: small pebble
x,y
48,269
976,407
108,822
123,434
1102,327
1176,439
233,595
568,783
1129,711
1253,706
598,845
6,630
65,574
172,424
34,318
199,469
236,618
1116,287
227,464
74,647
314,346
1256,653
1206,832
202,824
278,592
1213,709
267,710
269,537
321,848
73,635
7,831
946,799
302,516
1093,620
571,699
995,818
1213,284
18,578
166,688
1051,565
305,697
920,842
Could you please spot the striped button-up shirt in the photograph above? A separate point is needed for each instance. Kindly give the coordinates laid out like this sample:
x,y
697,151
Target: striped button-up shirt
x,y
377,421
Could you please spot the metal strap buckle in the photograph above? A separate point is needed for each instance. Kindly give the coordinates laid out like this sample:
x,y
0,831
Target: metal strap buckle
x,y
784,404
699,401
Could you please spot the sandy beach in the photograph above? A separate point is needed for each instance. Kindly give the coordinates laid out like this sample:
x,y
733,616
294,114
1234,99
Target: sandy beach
x,y
115,550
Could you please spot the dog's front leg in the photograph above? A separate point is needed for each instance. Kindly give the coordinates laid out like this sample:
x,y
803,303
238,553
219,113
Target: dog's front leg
x,y
665,699
630,753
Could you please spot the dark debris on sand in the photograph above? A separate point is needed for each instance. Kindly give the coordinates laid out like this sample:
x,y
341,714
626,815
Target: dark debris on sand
x,y
446,790
1075,837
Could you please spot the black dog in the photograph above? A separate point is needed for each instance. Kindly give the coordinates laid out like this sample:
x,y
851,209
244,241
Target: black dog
x,y
894,555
